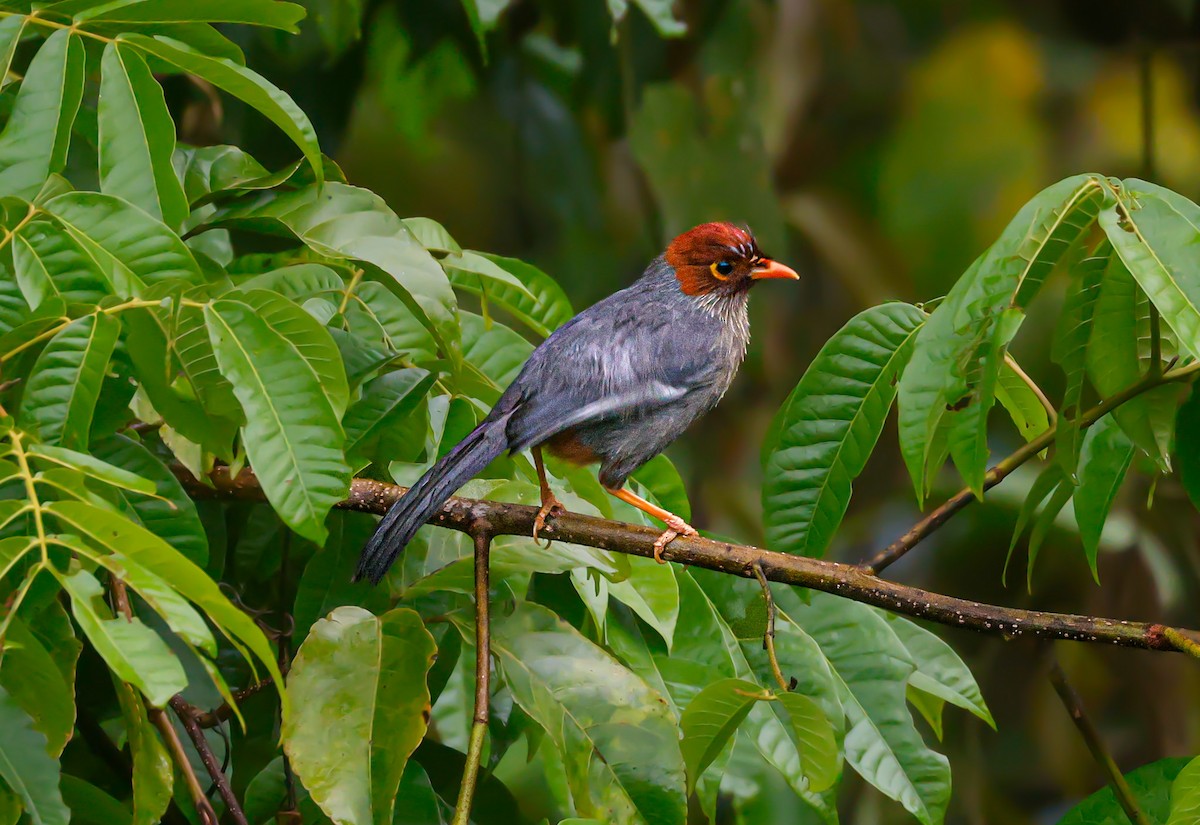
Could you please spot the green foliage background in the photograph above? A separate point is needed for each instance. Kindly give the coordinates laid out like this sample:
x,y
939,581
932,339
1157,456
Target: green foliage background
x,y
204,260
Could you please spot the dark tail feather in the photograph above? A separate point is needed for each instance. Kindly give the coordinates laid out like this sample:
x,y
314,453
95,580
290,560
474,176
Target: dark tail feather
x,y
427,496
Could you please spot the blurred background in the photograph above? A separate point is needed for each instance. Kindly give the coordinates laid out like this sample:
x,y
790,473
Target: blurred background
x,y
877,147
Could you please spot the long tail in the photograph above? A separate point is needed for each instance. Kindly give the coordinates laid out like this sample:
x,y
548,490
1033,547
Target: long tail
x,y
426,497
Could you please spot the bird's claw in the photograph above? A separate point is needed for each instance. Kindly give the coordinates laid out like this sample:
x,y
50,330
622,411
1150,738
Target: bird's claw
x,y
676,527
550,507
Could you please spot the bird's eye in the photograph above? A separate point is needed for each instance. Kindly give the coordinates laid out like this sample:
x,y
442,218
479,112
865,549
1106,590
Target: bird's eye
x,y
722,269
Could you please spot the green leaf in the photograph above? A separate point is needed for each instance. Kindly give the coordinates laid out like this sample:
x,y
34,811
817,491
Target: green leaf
x,y
49,263
134,652
328,578
1151,786
660,12
829,425
93,467
487,274
940,672
64,385
651,592
34,681
1154,232
269,13
249,87
11,29
292,435
1069,350
1185,795
710,721
1105,457
542,306
614,734
27,768
165,509
1027,411
385,401
1046,482
139,545
432,235
1042,524
341,221
307,337
89,804
349,668
929,706
882,744
962,343
35,140
298,282
815,740
130,247
208,169
1187,446
153,777
376,314
137,137
493,353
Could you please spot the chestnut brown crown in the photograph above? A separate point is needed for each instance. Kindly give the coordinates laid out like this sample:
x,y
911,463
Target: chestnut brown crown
x,y
720,257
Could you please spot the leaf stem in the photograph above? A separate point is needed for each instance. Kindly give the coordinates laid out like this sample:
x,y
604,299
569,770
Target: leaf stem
x,y
1095,743
1051,413
769,633
483,666
33,17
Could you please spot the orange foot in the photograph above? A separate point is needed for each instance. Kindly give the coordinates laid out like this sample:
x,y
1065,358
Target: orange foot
x,y
675,527
550,507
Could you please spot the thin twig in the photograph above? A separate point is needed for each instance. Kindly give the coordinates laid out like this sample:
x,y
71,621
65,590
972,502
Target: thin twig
x,y
896,550
1183,643
184,711
1095,743
224,712
483,668
203,807
769,633
847,580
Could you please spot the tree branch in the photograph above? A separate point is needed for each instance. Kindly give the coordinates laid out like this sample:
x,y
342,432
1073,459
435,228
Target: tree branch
x,y
483,670
1095,743
184,711
846,580
894,551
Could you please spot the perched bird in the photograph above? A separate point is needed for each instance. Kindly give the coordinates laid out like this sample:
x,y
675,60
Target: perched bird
x,y
614,385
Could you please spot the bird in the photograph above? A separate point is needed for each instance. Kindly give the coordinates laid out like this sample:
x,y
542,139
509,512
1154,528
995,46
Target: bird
x,y
615,385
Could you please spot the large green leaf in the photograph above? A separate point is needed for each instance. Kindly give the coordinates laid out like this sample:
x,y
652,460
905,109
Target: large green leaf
x,y
292,434
829,425
341,221
27,768
91,806
614,734
33,680
1154,231
35,140
134,652
962,344
652,593
1117,358
249,87
50,263
710,721
64,385
208,169
376,314
1024,406
328,578
137,137
269,13
369,674
385,401
1069,350
166,509
308,338
11,28
543,306
1104,458
939,670
129,246
1185,795
1151,787
131,541
873,667
152,774
1187,446
814,740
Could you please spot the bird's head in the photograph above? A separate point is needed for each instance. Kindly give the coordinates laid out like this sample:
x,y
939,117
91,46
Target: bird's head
x,y
720,258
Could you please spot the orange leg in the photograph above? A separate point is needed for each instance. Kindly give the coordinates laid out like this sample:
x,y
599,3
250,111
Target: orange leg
x,y
675,525
550,504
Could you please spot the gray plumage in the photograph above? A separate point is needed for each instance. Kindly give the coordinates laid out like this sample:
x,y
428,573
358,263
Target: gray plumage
x,y
627,376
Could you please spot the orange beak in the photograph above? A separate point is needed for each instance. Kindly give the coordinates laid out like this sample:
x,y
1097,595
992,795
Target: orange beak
x,y
766,268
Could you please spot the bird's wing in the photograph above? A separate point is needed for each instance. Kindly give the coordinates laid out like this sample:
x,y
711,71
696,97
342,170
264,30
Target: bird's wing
x,y
619,357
